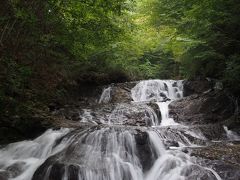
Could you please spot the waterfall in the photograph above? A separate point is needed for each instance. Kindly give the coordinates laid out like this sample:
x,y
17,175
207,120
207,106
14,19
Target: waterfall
x,y
232,136
20,160
163,92
131,143
157,90
105,96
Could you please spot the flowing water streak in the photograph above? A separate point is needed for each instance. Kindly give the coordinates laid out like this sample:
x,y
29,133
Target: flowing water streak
x,y
232,136
106,154
163,107
105,96
168,165
175,165
26,156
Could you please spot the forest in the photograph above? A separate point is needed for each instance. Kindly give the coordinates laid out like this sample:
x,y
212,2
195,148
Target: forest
x,y
47,46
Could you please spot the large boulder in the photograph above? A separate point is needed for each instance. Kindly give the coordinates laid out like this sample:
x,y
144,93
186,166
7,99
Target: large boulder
x,y
210,107
132,114
222,157
120,92
191,87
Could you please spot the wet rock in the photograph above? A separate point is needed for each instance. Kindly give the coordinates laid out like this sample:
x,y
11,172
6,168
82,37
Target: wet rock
x,y
132,114
145,153
169,144
121,92
4,175
228,152
210,131
15,169
224,158
196,87
120,95
179,135
53,171
196,172
207,108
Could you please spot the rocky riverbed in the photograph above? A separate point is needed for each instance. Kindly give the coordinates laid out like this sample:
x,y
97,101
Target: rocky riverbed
x,y
143,130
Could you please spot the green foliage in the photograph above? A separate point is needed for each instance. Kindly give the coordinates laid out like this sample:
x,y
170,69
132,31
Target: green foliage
x,y
232,73
202,61
42,42
208,31
46,43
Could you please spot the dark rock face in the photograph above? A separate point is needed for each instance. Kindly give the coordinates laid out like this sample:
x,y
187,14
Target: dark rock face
x,y
211,131
196,172
145,153
122,92
196,87
211,107
222,157
3,175
125,113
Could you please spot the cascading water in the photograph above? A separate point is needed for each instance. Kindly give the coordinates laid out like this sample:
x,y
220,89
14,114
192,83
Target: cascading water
x,y
20,160
163,92
157,90
106,95
131,143
231,135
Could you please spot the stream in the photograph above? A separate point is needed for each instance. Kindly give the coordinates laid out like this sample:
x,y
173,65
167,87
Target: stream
x,y
135,140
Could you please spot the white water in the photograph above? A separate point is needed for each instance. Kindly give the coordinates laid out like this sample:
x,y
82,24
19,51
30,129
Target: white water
x,y
105,96
172,165
163,107
163,92
87,116
157,90
112,152
26,156
114,160
232,136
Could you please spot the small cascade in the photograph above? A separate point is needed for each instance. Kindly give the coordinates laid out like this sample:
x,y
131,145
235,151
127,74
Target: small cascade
x,y
105,96
20,160
163,107
157,90
175,165
107,153
232,136
163,92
